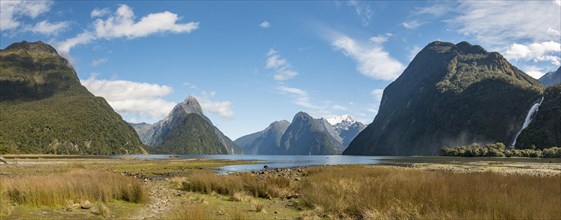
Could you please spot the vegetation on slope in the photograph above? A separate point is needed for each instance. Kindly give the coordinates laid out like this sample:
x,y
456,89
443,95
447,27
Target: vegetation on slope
x,y
191,135
45,109
449,95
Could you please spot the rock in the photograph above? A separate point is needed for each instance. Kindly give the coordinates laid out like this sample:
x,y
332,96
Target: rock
x,y
220,212
86,205
76,206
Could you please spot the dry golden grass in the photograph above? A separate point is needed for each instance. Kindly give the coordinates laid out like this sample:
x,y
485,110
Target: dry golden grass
x,y
230,185
78,185
390,193
189,212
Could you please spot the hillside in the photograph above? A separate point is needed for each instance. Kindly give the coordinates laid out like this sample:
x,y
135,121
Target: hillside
x,y
309,136
449,95
186,130
44,108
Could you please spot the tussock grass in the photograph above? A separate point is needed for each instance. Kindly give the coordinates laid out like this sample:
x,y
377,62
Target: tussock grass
x,y
77,185
189,212
390,193
230,185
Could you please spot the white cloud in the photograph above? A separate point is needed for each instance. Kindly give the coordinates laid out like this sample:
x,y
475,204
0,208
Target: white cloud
x,y
122,24
220,108
495,22
47,28
411,24
284,75
379,39
12,11
362,10
545,51
283,69
265,24
534,71
274,60
65,46
141,101
372,60
100,12
99,61
301,97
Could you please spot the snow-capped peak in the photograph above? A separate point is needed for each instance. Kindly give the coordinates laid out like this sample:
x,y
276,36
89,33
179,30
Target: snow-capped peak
x,y
340,119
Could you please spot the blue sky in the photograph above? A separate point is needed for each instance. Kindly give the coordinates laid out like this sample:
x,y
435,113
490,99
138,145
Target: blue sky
x,y
250,63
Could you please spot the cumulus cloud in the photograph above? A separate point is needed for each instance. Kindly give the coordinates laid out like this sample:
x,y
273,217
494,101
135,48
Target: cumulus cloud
x,y
11,12
534,71
220,108
283,69
134,100
47,28
265,25
372,60
99,61
545,51
122,24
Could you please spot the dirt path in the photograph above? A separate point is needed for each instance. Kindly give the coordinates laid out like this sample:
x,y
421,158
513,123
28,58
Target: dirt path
x,y
162,199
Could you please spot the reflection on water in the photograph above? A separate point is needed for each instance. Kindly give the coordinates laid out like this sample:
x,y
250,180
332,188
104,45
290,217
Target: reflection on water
x,y
277,161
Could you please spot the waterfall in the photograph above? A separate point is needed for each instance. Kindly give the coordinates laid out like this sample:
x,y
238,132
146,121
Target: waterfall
x,y
528,119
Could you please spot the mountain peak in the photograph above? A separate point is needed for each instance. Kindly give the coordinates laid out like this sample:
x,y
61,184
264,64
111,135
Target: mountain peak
x,y
191,105
339,119
38,46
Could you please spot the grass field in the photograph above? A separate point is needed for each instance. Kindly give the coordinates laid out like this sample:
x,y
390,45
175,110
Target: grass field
x,y
190,189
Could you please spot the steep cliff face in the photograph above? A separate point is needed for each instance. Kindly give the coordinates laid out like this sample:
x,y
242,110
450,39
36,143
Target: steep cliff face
x,y
45,109
449,95
545,129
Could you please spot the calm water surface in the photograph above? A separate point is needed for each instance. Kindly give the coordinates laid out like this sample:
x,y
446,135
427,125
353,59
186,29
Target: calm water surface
x,y
290,161
279,161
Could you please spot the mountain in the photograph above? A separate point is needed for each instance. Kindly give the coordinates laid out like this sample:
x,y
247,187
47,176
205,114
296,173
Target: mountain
x,y
551,78
346,127
449,95
264,142
186,130
309,136
45,110
545,129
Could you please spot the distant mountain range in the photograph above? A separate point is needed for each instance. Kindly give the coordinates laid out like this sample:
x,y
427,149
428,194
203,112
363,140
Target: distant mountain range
x,y
304,136
186,130
551,78
449,95
45,110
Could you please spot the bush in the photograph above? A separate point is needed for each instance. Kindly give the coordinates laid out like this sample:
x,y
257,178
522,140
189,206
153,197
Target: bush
x,y
499,150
